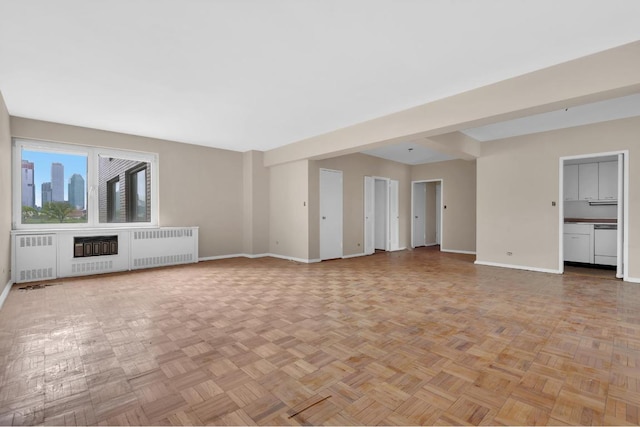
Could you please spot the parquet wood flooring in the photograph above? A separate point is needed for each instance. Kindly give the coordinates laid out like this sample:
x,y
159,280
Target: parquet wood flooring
x,y
412,337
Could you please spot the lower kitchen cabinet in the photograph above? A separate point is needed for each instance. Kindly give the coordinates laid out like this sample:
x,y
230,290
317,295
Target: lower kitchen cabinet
x,y
576,248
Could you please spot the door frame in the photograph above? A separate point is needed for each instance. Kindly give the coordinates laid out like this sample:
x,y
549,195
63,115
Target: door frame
x,y
437,180
621,211
389,245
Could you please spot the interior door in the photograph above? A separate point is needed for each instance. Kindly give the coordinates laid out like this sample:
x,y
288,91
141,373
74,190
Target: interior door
x,y
330,214
394,216
419,211
369,220
381,214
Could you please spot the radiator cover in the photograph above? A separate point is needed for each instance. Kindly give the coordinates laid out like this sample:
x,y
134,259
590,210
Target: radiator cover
x,y
50,255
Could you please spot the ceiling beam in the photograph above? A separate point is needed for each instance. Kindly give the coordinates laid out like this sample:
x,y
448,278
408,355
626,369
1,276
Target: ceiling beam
x,y
603,75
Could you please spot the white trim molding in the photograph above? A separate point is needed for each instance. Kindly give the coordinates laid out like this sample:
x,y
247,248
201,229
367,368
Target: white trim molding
x,y
455,251
632,279
518,267
354,255
5,293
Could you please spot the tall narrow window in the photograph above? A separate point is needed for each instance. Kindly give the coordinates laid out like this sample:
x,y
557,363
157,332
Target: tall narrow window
x,y
137,192
113,201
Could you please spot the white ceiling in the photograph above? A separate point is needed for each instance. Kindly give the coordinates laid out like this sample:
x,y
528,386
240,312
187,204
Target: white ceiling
x,y
408,153
258,74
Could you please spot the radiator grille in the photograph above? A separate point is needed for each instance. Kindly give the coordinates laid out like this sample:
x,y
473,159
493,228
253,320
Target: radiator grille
x,y
162,260
36,274
35,241
91,267
163,234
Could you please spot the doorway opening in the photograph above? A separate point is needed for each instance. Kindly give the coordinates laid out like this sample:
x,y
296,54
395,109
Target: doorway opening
x,y
426,213
593,214
381,214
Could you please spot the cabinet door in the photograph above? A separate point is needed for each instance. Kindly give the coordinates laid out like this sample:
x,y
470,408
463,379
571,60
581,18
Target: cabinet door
x,y
588,178
570,182
608,180
576,247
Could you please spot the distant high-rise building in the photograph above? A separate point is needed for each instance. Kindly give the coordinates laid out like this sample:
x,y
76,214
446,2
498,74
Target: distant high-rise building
x,y
76,191
46,193
28,187
57,182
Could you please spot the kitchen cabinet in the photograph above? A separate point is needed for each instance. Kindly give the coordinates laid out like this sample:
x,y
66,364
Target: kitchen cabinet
x,y
578,243
570,182
608,180
588,181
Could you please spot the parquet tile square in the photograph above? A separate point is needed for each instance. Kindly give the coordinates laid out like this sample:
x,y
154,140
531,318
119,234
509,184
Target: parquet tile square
x,y
406,338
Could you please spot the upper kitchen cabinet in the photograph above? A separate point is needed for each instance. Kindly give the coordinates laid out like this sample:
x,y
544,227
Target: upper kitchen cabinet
x,y
608,180
588,181
570,182
596,181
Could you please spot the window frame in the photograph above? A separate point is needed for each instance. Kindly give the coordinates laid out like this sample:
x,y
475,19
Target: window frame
x,y
112,201
92,204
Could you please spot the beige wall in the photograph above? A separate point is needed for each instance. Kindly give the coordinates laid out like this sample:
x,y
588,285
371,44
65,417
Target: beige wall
x,y
518,178
256,204
5,196
289,210
199,186
355,167
459,196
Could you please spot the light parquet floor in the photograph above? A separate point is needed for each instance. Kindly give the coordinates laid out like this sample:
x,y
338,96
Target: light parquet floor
x,y
413,337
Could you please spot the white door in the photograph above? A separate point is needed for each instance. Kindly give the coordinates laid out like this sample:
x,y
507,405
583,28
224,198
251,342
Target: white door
x,y
419,214
394,216
330,214
381,214
369,220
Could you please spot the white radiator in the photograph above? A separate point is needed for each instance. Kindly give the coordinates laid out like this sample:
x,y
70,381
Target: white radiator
x,y
49,255
35,257
165,246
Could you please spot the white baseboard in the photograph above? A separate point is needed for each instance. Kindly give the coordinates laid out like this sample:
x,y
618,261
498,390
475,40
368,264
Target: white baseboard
x,y
217,257
455,251
632,280
252,256
5,293
518,267
354,255
398,249
291,258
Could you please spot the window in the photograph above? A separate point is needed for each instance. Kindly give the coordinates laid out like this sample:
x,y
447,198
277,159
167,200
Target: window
x,y
113,201
44,197
137,208
71,185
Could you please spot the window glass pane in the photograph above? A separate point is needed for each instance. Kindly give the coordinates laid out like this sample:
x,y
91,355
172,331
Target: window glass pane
x,y
53,187
121,175
113,201
141,196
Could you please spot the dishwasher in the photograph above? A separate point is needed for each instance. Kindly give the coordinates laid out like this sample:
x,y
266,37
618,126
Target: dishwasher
x,y
605,244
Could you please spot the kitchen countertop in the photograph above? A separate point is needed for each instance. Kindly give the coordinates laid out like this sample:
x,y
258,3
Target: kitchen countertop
x,y
591,220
